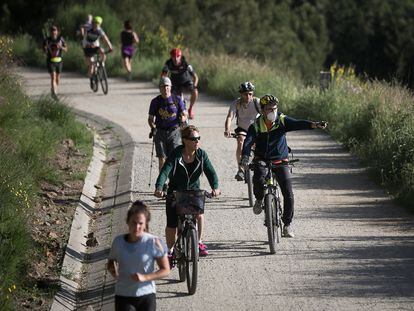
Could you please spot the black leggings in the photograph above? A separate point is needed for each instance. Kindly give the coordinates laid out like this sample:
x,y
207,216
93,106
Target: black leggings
x,y
141,303
283,178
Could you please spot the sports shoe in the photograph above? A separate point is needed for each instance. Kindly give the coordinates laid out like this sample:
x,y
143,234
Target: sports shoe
x,y
129,76
288,232
239,175
91,83
190,112
202,249
257,207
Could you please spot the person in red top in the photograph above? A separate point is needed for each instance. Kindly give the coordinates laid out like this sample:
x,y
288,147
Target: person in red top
x,y
53,47
182,76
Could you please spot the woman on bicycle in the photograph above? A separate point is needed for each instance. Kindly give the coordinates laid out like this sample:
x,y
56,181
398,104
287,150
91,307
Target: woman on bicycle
x,y
131,262
183,169
268,132
92,46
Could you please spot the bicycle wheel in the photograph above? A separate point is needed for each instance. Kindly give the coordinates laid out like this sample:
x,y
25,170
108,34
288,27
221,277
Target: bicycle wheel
x,y
249,182
181,258
191,252
94,81
269,220
103,78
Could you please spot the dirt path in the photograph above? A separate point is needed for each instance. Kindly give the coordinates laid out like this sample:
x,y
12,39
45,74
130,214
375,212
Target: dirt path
x,y
353,250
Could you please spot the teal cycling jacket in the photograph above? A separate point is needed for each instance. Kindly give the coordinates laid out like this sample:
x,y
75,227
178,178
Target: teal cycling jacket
x,y
179,179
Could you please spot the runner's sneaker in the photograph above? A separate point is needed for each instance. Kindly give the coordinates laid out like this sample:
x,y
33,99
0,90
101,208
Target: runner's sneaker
x,y
257,207
240,175
202,249
288,232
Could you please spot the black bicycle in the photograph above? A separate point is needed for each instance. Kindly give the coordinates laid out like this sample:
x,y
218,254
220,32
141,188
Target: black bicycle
x,y
99,75
272,204
248,175
189,204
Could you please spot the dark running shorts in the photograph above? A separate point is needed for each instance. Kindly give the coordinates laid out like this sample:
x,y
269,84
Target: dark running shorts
x,y
240,131
146,302
89,52
54,67
184,87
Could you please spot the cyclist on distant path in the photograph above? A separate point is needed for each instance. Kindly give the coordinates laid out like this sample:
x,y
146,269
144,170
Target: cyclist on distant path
x,y
166,113
131,262
53,47
129,39
183,168
91,44
183,77
268,132
246,109
80,33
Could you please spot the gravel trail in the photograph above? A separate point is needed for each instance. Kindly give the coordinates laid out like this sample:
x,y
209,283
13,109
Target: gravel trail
x,y
353,250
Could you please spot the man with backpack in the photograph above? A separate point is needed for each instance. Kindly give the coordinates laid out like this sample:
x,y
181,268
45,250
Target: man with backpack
x,y
183,76
166,113
246,109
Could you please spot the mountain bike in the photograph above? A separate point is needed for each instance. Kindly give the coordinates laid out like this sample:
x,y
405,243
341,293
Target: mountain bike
x,y
99,74
272,204
248,176
189,204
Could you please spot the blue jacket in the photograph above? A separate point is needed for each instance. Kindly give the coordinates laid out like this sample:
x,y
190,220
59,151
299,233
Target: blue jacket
x,y
271,144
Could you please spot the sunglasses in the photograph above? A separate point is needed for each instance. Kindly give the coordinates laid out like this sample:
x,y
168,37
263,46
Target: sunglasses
x,y
193,138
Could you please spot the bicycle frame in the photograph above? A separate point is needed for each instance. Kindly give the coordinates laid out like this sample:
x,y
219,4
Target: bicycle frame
x,y
99,74
188,205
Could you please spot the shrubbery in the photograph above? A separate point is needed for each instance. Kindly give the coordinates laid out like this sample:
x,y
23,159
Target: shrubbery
x,y
29,134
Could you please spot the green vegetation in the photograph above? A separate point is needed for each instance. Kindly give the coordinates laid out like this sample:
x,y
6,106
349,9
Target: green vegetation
x,y
30,132
374,36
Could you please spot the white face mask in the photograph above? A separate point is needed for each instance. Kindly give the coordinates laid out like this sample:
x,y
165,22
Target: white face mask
x,y
271,116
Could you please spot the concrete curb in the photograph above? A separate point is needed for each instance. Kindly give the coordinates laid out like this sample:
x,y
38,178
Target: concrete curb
x,y
106,193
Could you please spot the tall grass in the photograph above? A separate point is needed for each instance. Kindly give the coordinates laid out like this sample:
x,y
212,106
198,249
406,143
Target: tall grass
x,y
30,132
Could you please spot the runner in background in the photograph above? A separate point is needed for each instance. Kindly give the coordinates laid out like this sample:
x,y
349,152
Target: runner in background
x,y
53,47
129,40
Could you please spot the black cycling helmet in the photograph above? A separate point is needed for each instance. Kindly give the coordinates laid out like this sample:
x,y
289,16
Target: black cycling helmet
x,y
246,87
268,100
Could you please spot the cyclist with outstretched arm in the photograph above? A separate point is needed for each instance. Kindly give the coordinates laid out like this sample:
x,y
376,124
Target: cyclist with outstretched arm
x,y
91,44
268,132
183,168
246,109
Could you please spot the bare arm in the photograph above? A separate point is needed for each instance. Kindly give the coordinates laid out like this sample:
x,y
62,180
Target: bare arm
x,y
136,39
112,268
227,124
195,79
107,42
151,121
